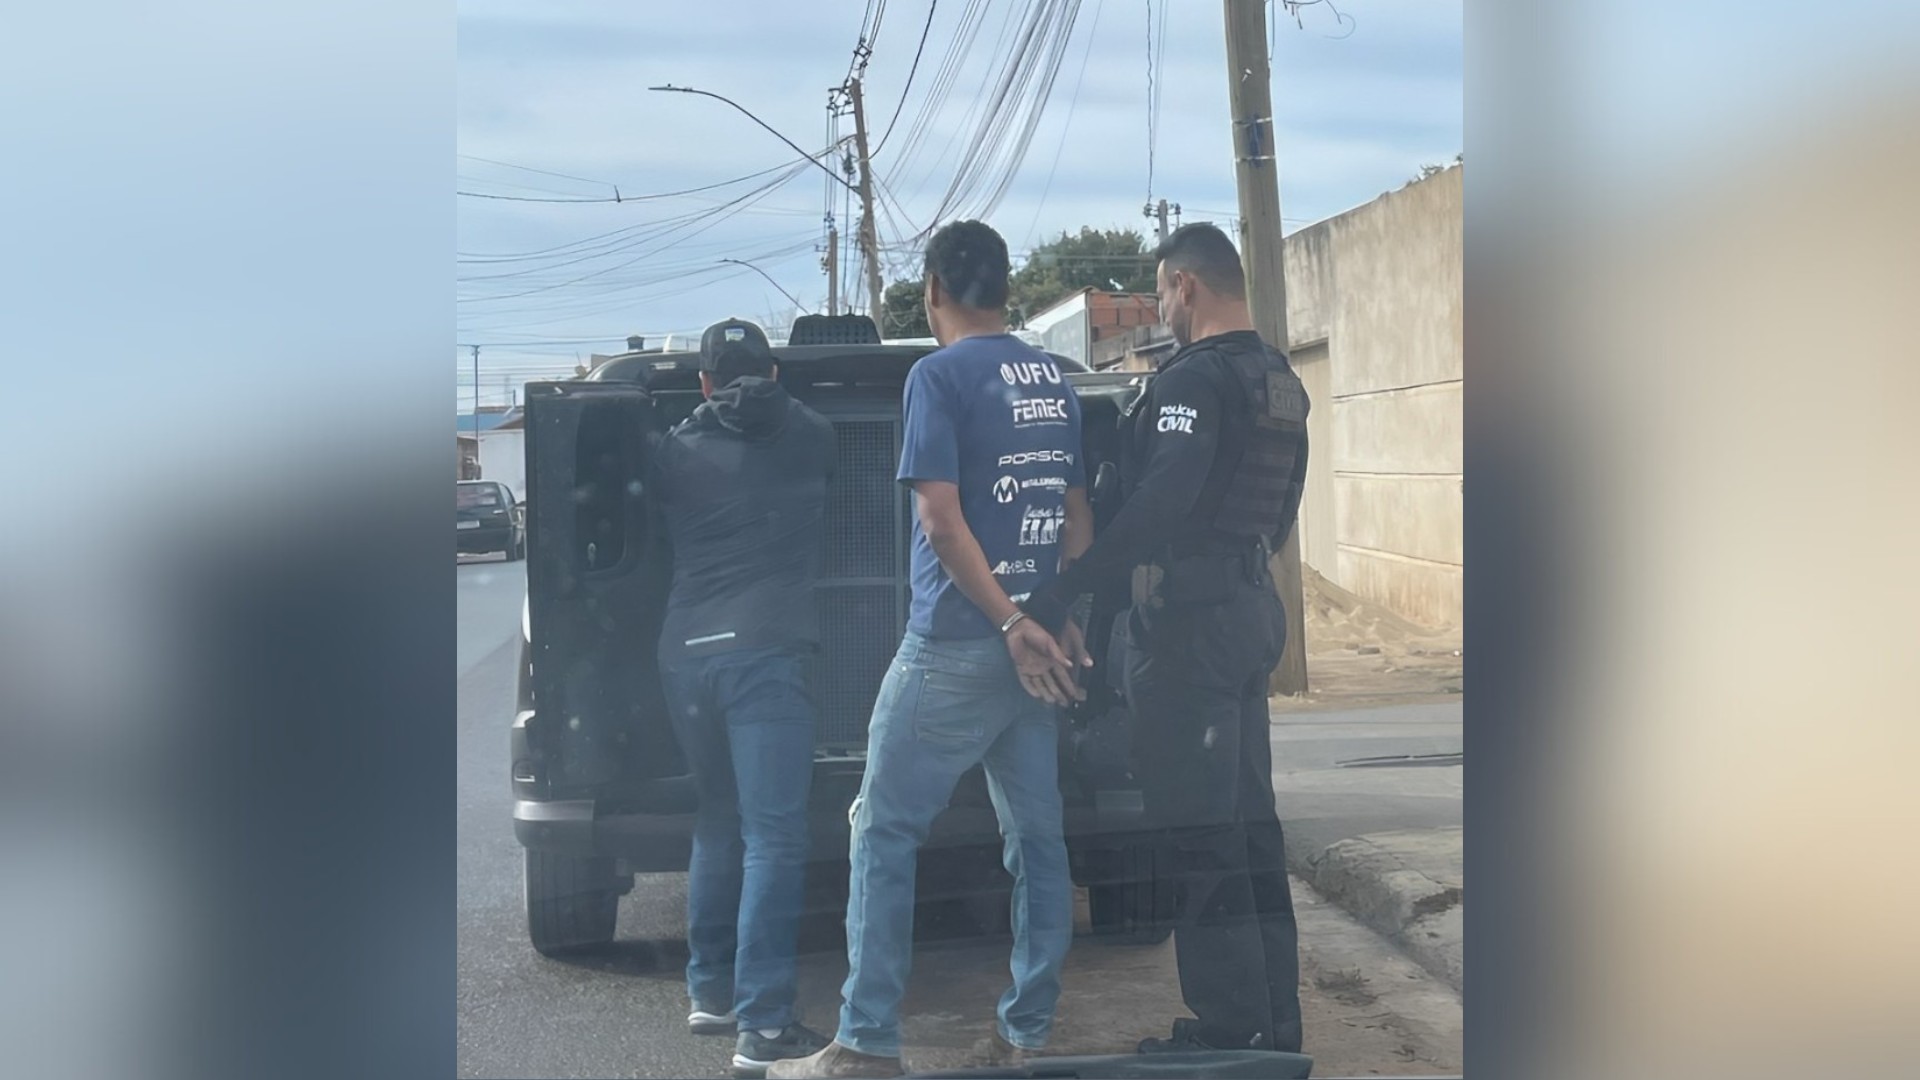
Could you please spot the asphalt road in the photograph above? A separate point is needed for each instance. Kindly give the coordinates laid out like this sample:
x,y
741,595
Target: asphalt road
x,y
623,1014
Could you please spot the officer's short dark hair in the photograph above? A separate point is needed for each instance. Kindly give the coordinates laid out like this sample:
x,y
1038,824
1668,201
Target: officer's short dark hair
x,y
1205,252
970,259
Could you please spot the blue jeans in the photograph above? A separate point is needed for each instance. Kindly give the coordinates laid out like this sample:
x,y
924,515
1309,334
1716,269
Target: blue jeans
x,y
944,707
746,727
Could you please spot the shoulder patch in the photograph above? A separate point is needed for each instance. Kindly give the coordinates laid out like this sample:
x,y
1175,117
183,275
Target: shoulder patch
x,y
1286,397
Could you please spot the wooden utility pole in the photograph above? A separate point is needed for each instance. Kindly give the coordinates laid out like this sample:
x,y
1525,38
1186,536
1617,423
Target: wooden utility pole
x,y
833,268
476,401
869,232
1257,174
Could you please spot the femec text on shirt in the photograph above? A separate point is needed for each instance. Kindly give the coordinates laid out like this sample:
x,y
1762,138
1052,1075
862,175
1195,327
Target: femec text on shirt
x,y
996,417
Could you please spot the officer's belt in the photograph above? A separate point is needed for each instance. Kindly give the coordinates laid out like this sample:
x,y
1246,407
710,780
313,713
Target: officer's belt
x,y
1219,547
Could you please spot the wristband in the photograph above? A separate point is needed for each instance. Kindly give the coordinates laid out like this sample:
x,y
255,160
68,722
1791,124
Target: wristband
x,y
1012,621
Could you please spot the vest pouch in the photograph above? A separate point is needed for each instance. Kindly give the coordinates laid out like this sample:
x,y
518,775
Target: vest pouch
x,y
1202,579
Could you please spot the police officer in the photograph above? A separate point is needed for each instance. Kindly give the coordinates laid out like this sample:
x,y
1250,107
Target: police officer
x,y
1216,461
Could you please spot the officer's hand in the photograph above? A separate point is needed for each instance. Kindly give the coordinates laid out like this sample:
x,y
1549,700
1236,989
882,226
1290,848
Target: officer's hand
x,y
1045,670
1074,641
1048,610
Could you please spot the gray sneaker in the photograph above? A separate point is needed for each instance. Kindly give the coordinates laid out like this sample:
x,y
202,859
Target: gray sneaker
x,y
837,1062
707,1022
753,1052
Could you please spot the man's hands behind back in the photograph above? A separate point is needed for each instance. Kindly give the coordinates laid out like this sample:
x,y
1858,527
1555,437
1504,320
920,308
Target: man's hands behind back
x,y
1047,670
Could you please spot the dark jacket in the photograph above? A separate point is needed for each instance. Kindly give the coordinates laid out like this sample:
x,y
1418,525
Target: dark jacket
x,y
741,487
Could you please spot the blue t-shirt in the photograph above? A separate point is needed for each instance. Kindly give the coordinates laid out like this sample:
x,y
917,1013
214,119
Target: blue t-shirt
x,y
995,416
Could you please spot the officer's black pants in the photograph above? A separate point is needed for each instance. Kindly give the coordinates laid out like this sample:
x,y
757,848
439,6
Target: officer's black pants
x,y
1196,680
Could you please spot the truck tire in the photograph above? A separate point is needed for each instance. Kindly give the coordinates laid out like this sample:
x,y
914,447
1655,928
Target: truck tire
x,y
1139,907
571,902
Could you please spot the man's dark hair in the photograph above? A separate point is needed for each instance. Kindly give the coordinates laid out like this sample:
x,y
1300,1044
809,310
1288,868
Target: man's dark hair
x,y
1205,252
970,259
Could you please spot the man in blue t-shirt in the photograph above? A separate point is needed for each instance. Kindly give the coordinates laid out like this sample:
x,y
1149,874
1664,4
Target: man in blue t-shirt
x,y
993,454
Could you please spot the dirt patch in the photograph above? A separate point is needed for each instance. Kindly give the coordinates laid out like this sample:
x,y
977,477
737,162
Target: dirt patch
x,y
1115,995
1347,987
1341,621
1361,654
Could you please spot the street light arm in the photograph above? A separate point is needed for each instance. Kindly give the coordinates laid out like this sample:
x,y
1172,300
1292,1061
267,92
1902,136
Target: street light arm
x,y
837,178
770,281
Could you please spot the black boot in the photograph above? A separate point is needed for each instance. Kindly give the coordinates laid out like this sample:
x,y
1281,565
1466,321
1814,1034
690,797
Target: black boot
x,y
1188,1038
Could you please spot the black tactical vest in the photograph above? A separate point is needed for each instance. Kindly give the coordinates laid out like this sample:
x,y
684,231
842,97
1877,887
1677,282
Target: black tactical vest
x,y
1257,496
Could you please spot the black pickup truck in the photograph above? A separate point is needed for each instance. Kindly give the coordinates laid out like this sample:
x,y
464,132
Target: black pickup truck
x,y
600,789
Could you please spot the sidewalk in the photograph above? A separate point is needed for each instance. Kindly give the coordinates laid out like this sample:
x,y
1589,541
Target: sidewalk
x,y
1408,886
1369,782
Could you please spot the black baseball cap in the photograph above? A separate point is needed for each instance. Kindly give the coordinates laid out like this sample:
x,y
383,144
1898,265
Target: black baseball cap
x,y
735,347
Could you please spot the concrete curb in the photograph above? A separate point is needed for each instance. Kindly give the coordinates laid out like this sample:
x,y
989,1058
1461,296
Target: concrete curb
x,y
1408,887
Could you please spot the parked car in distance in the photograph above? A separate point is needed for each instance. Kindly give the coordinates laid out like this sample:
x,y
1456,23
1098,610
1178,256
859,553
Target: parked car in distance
x,y
489,520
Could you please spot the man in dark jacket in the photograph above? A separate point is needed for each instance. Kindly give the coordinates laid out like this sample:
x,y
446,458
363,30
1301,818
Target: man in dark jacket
x,y
742,487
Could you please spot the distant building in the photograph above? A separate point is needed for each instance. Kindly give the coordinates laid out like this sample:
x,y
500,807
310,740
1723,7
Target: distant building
x,y
1079,325
498,452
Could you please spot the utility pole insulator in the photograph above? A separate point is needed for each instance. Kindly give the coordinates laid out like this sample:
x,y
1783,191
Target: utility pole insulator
x,y
1159,213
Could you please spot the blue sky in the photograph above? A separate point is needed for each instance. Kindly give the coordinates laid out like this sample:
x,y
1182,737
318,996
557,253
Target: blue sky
x,y
561,87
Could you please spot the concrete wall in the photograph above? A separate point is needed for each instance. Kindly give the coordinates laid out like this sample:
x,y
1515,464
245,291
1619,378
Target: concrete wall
x,y
1374,299
1319,533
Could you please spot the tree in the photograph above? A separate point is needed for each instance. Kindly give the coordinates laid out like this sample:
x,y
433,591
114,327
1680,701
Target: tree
x,y
1431,170
904,311
1091,258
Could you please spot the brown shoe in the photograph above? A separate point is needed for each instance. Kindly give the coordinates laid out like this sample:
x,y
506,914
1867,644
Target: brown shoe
x,y
837,1061
995,1052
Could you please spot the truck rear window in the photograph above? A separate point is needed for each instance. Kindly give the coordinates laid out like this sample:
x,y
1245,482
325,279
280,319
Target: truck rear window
x,y
478,497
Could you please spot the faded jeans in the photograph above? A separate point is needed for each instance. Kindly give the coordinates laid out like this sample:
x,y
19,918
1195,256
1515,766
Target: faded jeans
x,y
944,707
746,727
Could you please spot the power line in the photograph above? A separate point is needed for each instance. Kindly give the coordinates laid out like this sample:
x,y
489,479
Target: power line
x,y
665,194
1341,18
1236,214
1156,84
539,188
542,172
1073,103
1150,113
492,257
677,281
529,198
674,281
695,260
932,6
1011,111
655,231
720,213
933,103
